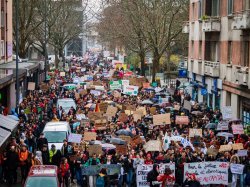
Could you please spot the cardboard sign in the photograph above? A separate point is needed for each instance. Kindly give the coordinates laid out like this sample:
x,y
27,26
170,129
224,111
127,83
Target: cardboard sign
x,y
136,140
153,145
131,107
182,120
237,168
161,119
211,151
225,148
88,136
44,87
62,74
125,138
83,92
242,153
187,105
75,138
31,85
77,96
227,112
238,129
177,107
195,132
152,110
111,111
237,146
97,149
94,115
101,123
123,117
136,117
129,112
103,107
222,126
202,171
121,149
130,90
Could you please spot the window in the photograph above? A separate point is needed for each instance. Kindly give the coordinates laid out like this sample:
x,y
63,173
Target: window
x,y
230,5
192,49
2,18
215,7
200,9
193,11
2,48
200,50
247,4
246,53
229,52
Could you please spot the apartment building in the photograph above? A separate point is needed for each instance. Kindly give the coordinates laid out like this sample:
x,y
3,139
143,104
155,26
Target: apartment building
x,y
219,54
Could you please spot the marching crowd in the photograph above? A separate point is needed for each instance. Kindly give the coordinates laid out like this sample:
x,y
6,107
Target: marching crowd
x,y
29,146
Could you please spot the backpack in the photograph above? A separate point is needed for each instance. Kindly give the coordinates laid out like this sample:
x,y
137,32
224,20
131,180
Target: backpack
x,y
100,181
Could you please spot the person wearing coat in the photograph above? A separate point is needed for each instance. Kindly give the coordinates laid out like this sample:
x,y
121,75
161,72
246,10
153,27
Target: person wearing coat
x,y
152,175
11,165
64,172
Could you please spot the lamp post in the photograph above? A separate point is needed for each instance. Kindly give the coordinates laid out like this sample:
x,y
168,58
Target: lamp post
x,y
45,40
17,56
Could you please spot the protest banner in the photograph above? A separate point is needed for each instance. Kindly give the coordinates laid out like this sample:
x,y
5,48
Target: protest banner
x,y
161,119
153,145
242,152
101,88
237,146
195,132
227,112
129,112
130,90
125,138
142,172
238,129
103,107
123,117
31,86
95,92
115,85
212,151
111,111
237,168
100,124
222,126
88,136
131,107
152,110
121,149
182,120
187,105
125,82
112,169
62,74
136,117
208,172
177,107
96,148
94,115
225,148
75,138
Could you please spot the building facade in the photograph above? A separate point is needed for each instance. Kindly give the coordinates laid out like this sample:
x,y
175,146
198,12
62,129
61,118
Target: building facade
x,y
219,54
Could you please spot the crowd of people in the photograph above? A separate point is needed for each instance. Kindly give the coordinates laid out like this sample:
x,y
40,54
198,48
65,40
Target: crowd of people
x,y
29,146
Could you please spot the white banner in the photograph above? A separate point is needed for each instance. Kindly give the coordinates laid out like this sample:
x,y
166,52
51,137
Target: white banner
x,y
237,168
208,172
142,172
130,90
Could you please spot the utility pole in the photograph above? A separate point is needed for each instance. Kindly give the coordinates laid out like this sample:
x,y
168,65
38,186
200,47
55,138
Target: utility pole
x,y
45,40
17,56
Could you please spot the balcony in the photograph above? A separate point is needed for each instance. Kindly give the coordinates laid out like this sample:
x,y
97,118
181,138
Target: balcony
x,y
185,27
212,68
241,20
241,76
211,24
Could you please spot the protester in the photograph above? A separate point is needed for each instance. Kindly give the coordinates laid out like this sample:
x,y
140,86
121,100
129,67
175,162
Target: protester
x,y
64,172
152,176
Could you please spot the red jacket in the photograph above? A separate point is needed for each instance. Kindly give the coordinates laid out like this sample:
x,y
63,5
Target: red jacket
x,y
166,179
64,169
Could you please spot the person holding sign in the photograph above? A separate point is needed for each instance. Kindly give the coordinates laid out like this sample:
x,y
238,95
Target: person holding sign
x,y
152,176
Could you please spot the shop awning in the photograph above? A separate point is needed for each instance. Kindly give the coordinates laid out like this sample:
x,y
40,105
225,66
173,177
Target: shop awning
x,y
8,123
4,135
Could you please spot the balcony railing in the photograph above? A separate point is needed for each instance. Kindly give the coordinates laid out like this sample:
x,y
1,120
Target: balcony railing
x,y
212,68
241,76
241,20
211,24
185,27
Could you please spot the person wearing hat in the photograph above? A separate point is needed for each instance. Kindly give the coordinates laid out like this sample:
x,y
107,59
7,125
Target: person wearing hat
x,y
52,152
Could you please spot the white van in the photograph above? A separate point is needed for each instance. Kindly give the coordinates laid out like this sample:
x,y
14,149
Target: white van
x,y
56,132
66,104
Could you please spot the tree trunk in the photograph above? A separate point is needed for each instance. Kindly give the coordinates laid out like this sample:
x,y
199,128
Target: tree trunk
x,y
22,51
142,59
56,59
156,61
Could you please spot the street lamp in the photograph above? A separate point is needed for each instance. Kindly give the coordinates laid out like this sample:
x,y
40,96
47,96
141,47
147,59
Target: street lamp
x,y
17,56
45,40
